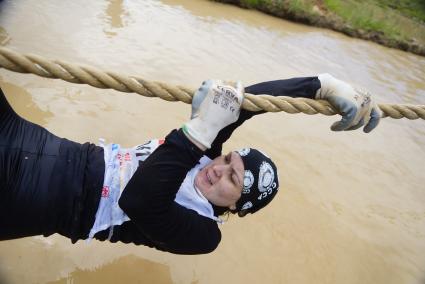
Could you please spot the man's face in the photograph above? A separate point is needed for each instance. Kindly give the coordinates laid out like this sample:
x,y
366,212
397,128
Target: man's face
x,y
221,181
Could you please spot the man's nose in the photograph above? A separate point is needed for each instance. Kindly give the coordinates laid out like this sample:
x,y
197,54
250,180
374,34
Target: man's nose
x,y
221,169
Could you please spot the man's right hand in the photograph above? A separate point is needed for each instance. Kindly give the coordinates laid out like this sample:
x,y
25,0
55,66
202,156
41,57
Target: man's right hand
x,y
356,106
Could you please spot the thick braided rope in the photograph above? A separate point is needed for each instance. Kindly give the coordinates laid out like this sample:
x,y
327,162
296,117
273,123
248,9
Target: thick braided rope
x,y
80,74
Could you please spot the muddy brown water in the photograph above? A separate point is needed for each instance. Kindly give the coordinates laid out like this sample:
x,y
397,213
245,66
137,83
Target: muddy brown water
x,y
351,206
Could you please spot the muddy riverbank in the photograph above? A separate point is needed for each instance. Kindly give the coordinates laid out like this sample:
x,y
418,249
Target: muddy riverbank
x,y
384,24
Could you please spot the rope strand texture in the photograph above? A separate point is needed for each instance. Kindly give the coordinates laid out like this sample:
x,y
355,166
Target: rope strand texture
x,y
80,74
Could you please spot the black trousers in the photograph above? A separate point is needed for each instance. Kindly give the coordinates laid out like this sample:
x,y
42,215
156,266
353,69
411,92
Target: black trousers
x,y
48,184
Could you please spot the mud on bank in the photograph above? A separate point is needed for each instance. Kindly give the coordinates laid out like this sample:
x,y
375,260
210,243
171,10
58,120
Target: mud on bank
x,y
397,24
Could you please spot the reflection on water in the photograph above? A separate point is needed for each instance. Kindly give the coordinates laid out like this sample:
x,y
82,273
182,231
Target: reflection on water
x,y
115,12
208,11
127,269
4,37
22,103
351,207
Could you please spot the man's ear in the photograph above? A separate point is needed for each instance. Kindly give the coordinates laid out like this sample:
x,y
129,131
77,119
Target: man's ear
x,y
243,212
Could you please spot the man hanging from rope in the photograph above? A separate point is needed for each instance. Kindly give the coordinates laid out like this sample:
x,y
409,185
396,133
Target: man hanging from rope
x,y
168,194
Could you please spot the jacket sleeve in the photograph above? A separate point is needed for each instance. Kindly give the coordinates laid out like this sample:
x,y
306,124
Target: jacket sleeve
x,y
303,87
148,200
